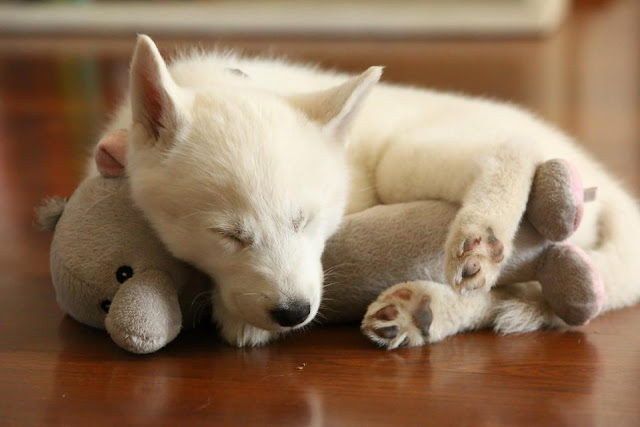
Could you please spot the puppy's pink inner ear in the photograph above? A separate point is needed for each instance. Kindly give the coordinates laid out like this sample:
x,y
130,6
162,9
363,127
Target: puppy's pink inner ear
x,y
152,98
111,153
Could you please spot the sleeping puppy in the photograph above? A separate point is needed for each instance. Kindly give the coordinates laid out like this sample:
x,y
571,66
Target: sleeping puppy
x,y
247,177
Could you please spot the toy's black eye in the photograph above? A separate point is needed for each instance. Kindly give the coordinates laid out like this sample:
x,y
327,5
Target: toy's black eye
x,y
124,273
105,305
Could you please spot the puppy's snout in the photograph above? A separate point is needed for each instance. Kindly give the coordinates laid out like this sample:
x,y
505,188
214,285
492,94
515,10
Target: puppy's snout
x,y
292,315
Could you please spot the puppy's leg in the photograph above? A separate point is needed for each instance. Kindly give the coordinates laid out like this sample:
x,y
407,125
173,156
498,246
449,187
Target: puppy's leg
x,y
491,181
520,308
234,330
417,313
616,253
481,236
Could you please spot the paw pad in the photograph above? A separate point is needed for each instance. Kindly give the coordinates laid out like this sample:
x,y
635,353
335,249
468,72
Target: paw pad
x,y
399,317
389,312
422,318
471,267
387,332
468,245
404,294
476,263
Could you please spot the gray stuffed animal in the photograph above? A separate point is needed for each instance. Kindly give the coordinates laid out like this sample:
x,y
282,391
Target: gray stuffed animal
x,y
110,271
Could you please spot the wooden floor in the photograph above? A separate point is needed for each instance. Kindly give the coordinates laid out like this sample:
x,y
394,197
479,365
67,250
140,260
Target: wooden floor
x,y
54,96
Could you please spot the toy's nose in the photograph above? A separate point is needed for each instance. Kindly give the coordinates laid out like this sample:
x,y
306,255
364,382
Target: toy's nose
x,y
292,315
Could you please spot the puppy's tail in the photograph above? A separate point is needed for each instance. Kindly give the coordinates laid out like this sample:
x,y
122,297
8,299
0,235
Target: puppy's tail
x,y
617,250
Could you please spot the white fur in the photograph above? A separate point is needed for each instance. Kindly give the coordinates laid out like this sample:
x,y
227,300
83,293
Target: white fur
x,y
260,153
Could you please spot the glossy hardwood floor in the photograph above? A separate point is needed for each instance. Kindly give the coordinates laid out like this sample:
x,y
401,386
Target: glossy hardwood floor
x,y
55,95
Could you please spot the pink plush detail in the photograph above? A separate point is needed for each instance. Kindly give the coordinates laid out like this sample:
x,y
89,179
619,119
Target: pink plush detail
x,y
111,153
598,285
578,192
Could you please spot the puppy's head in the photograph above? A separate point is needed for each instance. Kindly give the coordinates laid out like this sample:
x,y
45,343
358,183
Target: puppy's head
x,y
243,183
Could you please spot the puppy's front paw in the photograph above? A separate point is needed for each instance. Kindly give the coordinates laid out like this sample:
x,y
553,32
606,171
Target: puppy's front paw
x,y
241,334
401,316
473,258
235,330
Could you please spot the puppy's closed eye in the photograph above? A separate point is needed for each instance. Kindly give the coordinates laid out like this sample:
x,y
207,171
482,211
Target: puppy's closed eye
x,y
241,237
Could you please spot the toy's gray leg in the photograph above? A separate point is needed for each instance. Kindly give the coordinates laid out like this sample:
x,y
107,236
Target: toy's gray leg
x,y
570,284
556,201
569,281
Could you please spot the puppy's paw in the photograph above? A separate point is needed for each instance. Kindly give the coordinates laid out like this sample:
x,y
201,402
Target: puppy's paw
x,y
474,256
401,316
241,334
237,332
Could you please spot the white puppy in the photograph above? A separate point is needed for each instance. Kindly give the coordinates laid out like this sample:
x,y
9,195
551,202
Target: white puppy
x,y
246,176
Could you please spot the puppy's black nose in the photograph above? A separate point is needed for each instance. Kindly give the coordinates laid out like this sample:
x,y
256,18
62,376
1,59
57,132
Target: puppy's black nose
x,y
292,315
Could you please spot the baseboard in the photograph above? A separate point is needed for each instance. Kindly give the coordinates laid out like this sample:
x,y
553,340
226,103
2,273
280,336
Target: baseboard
x,y
307,17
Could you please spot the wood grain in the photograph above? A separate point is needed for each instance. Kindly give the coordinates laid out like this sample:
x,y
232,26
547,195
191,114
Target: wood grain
x,y
54,98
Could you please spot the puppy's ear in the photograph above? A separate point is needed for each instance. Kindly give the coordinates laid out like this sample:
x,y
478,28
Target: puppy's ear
x,y
111,153
49,212
155,97
336,108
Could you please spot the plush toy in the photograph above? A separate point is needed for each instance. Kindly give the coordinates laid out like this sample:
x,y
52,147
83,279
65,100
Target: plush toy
x,y
110,271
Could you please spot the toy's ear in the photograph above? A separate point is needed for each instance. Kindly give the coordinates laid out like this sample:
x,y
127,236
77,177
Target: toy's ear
x,y
111,153
49,212
335,108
